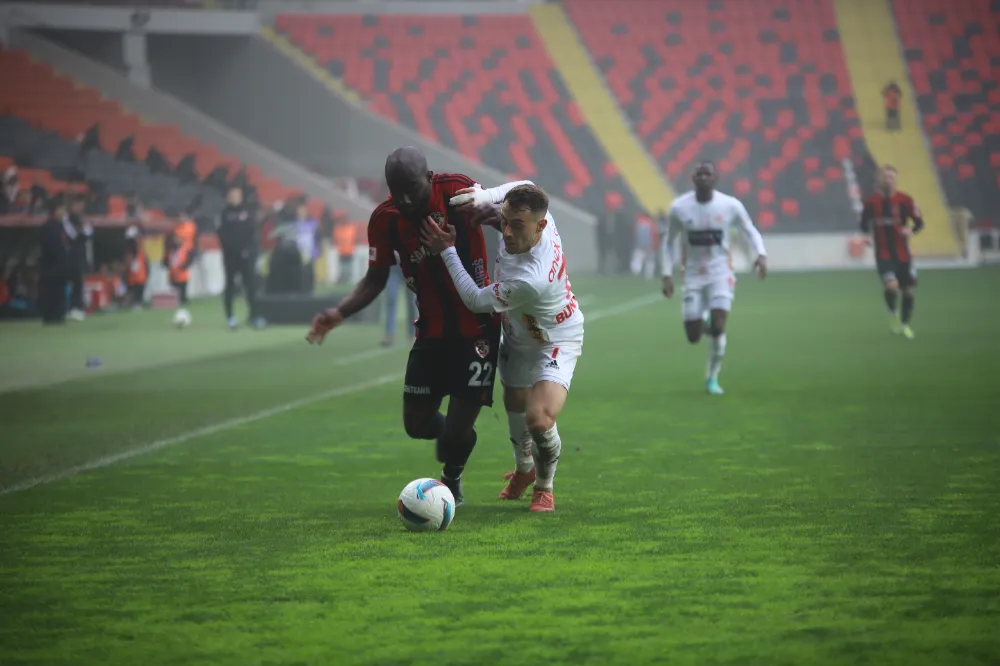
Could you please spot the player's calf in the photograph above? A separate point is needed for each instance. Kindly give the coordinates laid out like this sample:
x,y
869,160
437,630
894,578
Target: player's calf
x,y
544,405
907,311
716,350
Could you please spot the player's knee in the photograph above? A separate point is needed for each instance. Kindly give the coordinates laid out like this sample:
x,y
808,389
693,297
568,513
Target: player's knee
x,y
892,287
419,425
539,421
693,334
514,399
908,291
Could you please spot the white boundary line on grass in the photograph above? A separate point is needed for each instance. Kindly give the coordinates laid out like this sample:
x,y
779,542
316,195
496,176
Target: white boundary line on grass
x,y
229,424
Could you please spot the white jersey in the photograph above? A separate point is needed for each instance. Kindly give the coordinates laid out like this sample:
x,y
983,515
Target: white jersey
x,y
704,232
533,292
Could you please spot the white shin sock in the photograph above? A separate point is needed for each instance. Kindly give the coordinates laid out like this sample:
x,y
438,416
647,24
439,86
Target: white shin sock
x,y
716,351
521,440
548,446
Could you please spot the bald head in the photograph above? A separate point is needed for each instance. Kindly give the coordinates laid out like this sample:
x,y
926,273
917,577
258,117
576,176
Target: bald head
x,y
407,159
409,181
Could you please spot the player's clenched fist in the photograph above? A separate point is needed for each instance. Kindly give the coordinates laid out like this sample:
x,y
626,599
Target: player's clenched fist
x,y
323,323
668,286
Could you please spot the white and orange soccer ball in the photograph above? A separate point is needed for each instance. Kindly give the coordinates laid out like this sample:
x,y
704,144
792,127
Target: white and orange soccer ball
x,y
426,505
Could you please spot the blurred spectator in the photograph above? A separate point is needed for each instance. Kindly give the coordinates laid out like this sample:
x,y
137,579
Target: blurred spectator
x,y
238,237
134,210
606,225
136,269
9,190
345,238
623,242
54,264
81,254
180,252
892,94
21,205
90,140
156,161
125,152
185,171
284,275
644,251
307,237
37,197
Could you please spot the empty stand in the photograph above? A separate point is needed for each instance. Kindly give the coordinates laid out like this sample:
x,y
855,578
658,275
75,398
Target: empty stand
x,y
50,101
759,87
482,85
953,54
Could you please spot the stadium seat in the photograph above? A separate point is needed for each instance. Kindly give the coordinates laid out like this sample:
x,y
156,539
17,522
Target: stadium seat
x,y
51,101
953,54
482,85
759,87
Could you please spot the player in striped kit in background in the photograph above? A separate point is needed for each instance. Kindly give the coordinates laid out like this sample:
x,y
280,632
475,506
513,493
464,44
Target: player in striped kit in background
x,y
886,216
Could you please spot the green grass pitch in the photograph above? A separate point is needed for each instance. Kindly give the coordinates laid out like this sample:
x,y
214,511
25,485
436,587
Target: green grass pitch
x,y
839,505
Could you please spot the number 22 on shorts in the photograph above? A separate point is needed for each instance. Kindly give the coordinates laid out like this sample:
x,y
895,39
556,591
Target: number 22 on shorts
x,y
481,372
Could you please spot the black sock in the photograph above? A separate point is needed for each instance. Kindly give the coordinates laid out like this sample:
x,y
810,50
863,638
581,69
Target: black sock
x,y
890,300
907,308
457,453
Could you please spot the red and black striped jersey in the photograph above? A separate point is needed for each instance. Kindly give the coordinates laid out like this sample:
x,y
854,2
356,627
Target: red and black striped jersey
x,y
393,239
887,216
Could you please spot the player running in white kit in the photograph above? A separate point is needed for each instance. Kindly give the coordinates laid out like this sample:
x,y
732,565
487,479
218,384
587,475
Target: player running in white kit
x,y
542,325
702,219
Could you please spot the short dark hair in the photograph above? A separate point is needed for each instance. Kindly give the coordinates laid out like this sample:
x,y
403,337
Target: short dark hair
x,y
528,196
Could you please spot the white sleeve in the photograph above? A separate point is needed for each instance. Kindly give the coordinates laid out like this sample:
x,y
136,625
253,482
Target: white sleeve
x,y
742,220
668,243
500,191
497,297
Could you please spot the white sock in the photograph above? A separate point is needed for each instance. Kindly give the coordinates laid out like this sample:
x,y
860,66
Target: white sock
x,y
716,350
548,446
521,440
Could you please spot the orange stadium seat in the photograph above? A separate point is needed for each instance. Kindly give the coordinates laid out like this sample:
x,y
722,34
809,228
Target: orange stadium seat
x,y
51,101
953,54
759,87
482,85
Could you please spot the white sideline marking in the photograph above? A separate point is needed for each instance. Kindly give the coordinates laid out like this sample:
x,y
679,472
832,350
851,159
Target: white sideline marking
x,y
229,424
106,461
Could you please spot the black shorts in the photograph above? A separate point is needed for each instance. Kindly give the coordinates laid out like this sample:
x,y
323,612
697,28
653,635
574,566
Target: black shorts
x,y
901,271
462,368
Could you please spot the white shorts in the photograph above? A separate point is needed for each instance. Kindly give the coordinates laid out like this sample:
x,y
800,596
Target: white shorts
x,y
714,294
523,367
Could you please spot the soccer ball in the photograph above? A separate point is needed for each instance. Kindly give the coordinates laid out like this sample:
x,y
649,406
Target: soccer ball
x,y
426,505
182,318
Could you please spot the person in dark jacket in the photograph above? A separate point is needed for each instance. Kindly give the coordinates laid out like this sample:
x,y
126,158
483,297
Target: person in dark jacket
x,y
237,229
53,265
80,234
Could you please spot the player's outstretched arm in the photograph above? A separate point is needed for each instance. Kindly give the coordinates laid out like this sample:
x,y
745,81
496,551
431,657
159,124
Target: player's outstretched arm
x,y
364,292
482,204
497,297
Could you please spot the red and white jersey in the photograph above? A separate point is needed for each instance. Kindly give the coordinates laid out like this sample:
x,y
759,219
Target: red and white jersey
x,y
704,232
533,292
